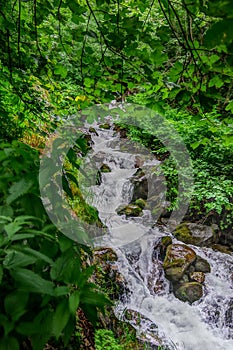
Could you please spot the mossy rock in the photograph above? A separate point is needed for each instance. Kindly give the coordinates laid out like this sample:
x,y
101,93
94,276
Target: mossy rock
x,y
129,210
177,260
175,273
105,168
190,291
105,126
164,243
196,234
93,131
140,203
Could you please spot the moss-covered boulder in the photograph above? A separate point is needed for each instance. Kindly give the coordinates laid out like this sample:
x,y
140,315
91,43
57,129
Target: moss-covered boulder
x,y
177,260
130,210
140,202
105,168
105,126
196,234
93,131
190,291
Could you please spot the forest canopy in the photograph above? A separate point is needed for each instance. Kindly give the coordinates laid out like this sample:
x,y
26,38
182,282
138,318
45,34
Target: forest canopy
x,y
58,55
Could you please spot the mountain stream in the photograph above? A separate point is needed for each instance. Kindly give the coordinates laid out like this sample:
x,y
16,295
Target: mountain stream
x,y
207,323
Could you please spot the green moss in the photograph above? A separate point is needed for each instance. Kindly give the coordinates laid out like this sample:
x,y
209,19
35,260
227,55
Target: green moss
x,y
140,203
179,262
183,233
105,169
105,126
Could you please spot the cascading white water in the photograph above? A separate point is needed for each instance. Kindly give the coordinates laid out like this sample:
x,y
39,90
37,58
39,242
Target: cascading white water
x,y
207,323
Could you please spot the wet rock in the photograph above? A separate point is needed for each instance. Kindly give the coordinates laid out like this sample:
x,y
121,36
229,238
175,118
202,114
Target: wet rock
x,y
121,131
201,265
130,210
177,260
221,248
140,183
196,234
88,139
164,243
105,126
138,162
105,168
197,276
190,291
93,131
98,178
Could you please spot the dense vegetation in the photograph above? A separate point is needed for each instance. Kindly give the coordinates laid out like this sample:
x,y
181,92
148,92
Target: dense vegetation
x,y
58,57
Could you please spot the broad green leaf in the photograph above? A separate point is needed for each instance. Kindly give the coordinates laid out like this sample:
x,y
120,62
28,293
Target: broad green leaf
x,y
12,228
15,304
9,343
38,255
15,259
20,236
92,297
74,300
6,210
60,318
61,290
30,281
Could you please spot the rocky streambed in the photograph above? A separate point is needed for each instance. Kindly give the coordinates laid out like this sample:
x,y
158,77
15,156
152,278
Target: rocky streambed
x,y
177,280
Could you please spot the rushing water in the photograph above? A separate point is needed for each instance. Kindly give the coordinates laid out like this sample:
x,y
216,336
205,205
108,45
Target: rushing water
x,y
207,323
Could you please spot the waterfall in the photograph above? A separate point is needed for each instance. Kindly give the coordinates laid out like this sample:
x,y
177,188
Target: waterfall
x,y
207,323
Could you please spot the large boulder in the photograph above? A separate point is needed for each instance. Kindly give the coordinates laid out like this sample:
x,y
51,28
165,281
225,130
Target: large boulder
x,y
130,210
190,291
196,234
105,168
140,184
177,260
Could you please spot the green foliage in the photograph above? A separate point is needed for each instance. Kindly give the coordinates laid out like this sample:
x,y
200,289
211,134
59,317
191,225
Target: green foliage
x,y
104,339
42,278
